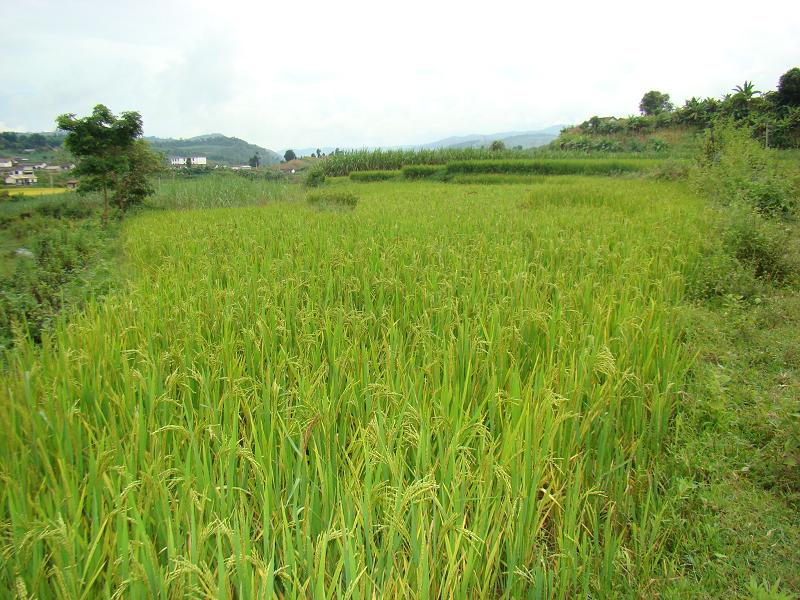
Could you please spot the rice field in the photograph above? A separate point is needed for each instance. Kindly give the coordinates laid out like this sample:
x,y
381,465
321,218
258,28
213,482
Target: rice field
x,y
35,191
445,392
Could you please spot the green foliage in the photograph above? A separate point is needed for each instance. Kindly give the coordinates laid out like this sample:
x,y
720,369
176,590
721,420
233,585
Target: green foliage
x,y
12,142
495,179
366,176
772,117
216,148
289,155
217,190
670,170
333,199
761,245
551,166
345,162
423,171
68,247
735,169
497,145
736,455
450,392
137,183
654,103
315,176
789,88
109,159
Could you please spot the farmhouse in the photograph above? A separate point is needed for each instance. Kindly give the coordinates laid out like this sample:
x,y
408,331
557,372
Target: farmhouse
x,y
180,161
5,163
72,184
21,179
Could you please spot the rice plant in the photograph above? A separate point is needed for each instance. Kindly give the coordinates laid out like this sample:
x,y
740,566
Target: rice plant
x,y
448,392
363,176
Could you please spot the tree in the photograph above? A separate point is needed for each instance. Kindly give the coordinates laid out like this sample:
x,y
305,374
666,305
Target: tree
x,y
255,160
108,157
319,153
789,88
136,185
654,103
289,155
497,146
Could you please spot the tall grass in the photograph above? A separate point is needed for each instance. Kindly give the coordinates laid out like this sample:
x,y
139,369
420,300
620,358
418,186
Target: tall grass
x,y
446,392
365,176
344,163
217,190
593,166
338,165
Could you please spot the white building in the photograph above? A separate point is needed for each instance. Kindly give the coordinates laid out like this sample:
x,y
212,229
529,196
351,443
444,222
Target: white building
x,y
180,161
5,163
21,179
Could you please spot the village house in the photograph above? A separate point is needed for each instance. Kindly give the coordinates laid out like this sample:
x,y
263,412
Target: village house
x,y
6,163
180,161
72,184
20,178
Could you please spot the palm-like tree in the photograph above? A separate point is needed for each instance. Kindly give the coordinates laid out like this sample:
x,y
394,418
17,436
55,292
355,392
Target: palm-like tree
x,y
747,90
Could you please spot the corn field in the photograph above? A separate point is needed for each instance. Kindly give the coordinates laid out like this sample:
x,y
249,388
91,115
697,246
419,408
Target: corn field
x,y
446,392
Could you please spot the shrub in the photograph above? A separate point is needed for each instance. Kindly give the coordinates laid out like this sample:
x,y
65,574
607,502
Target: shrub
x,y
365,176
315,177
670,170
339,199
734,168
762,245
423,171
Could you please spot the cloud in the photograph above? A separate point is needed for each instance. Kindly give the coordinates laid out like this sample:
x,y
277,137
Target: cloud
x,y
363,73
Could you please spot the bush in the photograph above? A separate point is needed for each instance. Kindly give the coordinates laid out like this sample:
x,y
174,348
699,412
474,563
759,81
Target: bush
x,y
670,170
365,176
315,177
332,199
60,273
734,168
762,245
423,171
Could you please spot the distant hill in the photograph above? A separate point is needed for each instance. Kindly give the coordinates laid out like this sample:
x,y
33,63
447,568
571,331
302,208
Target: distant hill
x,y
216,147
526,139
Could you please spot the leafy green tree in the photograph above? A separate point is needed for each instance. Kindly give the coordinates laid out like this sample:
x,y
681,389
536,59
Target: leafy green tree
x,y
107,155
136,184
655,103
789,88
319,153
497,146
255,160
289,155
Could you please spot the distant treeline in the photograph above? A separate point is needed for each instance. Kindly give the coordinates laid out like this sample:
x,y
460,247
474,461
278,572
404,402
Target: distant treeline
x,y
11,141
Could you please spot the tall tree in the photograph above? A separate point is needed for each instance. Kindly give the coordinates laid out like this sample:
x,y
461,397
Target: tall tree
x,y
789,88
654,103
105,148
289,155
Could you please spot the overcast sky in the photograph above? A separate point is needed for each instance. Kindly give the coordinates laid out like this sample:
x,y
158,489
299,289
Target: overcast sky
x,y
351,73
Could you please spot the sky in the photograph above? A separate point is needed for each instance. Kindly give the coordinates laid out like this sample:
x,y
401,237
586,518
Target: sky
x,y
353,73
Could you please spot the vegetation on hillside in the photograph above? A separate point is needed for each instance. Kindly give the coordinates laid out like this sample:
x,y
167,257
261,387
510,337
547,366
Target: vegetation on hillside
x,y
216,147
773,117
